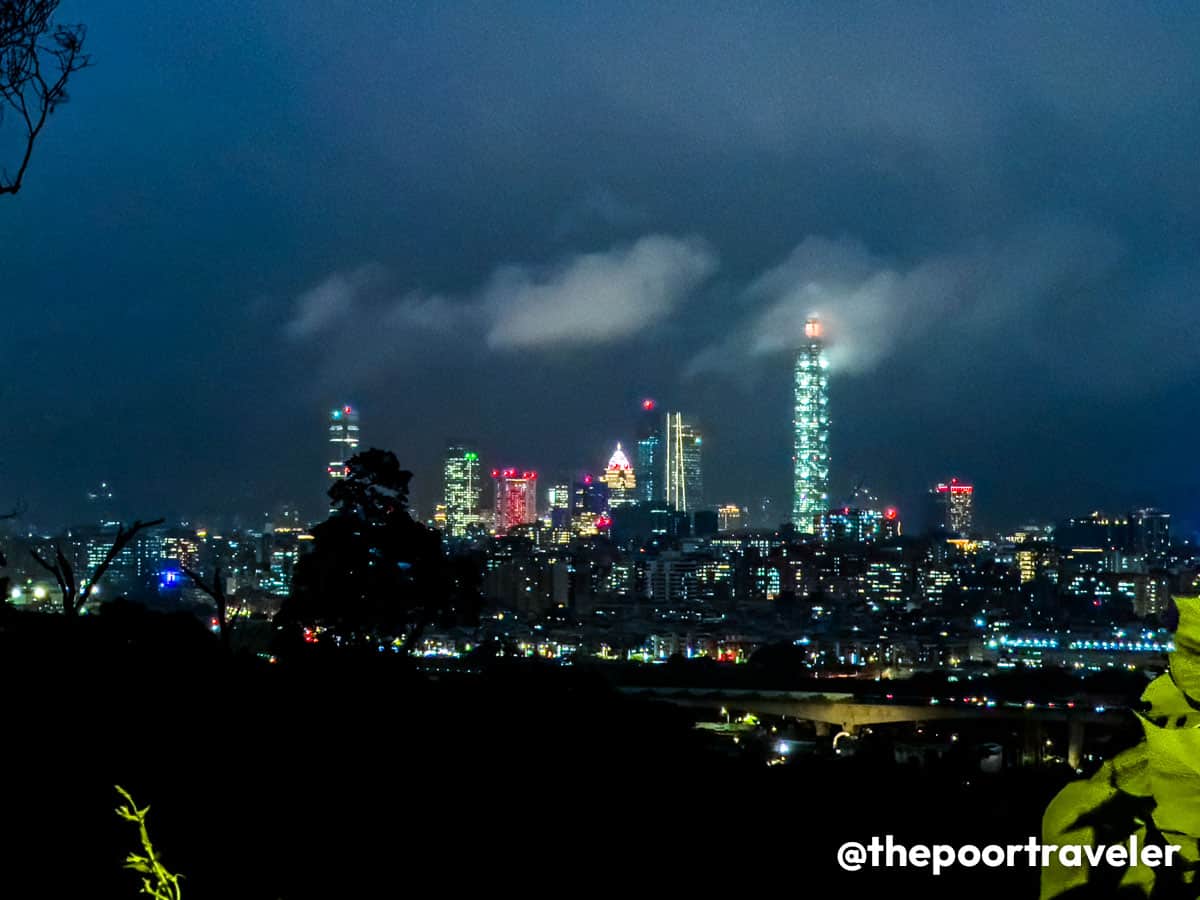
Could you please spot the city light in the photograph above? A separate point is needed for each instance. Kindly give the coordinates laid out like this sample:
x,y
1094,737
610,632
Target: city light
x,y
924,254
810,431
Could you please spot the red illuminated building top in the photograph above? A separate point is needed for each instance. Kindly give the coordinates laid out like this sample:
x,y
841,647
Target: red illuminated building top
x,y
955,487
527,475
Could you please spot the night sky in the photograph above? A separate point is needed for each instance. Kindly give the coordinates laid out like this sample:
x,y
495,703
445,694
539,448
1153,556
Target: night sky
x,y
511,224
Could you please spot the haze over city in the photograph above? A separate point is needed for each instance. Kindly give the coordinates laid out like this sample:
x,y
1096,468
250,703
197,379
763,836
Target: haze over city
x,y
513,224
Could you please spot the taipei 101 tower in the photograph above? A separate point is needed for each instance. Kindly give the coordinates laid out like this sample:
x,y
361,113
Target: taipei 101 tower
x,y
810,430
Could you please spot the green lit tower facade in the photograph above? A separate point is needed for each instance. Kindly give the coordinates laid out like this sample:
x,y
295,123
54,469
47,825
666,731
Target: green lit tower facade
x,y
810,430
463,488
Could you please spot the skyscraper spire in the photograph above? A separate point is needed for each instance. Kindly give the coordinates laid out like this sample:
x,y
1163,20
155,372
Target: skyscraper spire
x,y
810,429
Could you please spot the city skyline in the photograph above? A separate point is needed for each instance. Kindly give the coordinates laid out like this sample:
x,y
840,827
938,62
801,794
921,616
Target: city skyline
x,y
463,463
575,398
1002,291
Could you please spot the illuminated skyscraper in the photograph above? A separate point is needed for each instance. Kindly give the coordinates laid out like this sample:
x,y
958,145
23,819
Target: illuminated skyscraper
x,y
343,439
516,498
649,454
463,487
1151,533
560,513
956,504
810,429
620,479
682,472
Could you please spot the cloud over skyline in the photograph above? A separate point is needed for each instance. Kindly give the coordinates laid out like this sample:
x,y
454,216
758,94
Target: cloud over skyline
x,y
482,221
591,298
873,307
595,297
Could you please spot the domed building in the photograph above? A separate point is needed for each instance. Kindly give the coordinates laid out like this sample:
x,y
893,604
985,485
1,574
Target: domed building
x,y
620,479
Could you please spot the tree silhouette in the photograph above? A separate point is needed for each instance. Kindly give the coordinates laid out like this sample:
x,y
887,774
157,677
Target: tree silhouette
x,y
216,592
374,574
37,57
74,593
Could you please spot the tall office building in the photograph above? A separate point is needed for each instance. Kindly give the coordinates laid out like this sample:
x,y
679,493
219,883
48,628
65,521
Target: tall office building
x,y
649,454
516,498
810,430
463,487
1151,533
343,440
620,479
955,503
682,472
559,497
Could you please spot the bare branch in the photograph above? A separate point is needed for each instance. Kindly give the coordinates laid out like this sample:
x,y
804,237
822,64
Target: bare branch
x,y
63,574
216,592
37,558
29,36
124,537
74,595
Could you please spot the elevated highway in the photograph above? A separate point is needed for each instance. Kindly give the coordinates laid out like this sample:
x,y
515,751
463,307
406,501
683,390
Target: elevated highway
x,y
849,712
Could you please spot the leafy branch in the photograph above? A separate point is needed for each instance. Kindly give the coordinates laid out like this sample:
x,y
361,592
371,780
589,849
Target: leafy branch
x,y
157,881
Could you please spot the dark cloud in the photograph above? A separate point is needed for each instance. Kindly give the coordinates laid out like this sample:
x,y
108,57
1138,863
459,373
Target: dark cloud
x,y
474,219
589,299
987,293
595,298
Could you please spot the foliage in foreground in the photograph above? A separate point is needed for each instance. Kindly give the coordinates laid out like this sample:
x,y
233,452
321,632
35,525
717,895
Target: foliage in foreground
x,y
157,882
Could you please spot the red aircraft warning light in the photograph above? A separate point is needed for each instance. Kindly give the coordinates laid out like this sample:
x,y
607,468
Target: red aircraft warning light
x,y
648,404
